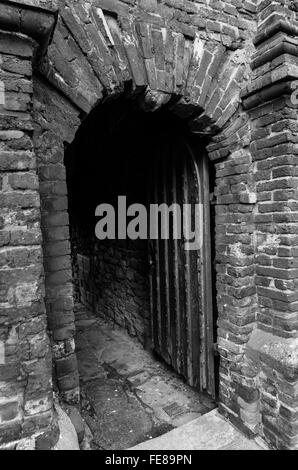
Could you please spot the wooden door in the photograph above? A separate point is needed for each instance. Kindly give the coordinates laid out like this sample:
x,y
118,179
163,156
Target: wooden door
x,y
181,280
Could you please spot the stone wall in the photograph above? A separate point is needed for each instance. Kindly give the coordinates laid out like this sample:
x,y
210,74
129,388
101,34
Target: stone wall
x,y
114,283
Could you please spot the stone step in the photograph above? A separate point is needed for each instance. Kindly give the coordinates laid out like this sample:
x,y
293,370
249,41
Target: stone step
x,y
209,432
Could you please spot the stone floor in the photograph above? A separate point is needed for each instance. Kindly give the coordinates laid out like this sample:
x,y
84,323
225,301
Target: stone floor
x,y
128,397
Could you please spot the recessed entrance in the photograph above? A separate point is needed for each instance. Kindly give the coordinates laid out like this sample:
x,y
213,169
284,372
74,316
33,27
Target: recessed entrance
x,y
158,290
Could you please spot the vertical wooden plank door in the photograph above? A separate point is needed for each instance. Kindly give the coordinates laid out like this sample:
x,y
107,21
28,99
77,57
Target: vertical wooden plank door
x,y
181,280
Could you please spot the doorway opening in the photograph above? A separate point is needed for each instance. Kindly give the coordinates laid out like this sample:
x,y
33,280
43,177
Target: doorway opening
x,y
154,291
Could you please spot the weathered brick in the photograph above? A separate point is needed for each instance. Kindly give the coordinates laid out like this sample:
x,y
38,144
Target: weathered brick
x,y
23,181
9,411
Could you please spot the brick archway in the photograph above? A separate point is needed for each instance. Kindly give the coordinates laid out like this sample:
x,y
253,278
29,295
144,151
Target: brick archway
x,y
97,54
99,51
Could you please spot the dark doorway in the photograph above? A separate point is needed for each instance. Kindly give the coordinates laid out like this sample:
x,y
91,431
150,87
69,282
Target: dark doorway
x,y
156,290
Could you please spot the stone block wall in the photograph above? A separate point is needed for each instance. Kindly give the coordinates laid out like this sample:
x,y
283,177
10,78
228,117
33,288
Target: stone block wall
x,y
114,283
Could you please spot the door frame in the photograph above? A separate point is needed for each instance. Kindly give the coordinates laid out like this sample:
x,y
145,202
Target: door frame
x,y
202,165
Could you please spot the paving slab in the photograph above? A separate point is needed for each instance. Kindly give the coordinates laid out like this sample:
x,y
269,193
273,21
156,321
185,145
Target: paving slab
x,y
209,432
68,437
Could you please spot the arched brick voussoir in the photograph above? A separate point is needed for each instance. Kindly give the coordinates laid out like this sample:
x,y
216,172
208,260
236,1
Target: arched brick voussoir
x,y
88,57
200,71
235,134
95,54
69,70
219,91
